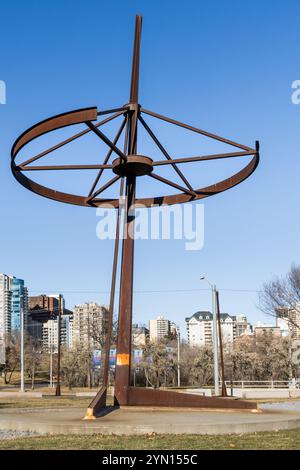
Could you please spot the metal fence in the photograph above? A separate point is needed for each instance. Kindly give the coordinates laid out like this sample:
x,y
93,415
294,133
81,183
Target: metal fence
x,y
294,383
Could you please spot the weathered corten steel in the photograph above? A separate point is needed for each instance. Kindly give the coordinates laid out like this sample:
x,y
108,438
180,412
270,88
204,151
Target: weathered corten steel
x,y
127,165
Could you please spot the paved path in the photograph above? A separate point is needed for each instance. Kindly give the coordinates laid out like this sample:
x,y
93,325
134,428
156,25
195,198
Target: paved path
x,y
142,421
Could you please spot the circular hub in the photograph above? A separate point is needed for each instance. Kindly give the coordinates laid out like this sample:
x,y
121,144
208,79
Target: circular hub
x,y
137,165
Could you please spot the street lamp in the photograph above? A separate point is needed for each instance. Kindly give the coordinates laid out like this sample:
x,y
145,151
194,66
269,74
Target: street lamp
x,y
178,355
215,333
22,387
60,310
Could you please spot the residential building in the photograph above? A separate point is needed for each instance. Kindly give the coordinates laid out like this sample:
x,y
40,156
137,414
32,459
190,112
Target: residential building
x,y
173,330
13,301
241,326
89,324
41,309
288,320
200,329
50,333
34,328
261,330
159,328
19,302
140,336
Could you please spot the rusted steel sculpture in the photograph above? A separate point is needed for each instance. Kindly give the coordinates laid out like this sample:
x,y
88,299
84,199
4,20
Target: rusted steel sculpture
x,y
126,167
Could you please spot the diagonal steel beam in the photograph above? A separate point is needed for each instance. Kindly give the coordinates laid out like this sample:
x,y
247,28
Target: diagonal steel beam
x,y
215,156
70,139
163,150
170,183
194,129
106,140
109,111
103,188
107,157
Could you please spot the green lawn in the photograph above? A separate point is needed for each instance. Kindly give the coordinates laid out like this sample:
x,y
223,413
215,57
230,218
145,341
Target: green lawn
x,y
266,440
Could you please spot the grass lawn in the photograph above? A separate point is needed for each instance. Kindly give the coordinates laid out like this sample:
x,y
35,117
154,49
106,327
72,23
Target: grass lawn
x,y
289,439
47,402
265,440
44,402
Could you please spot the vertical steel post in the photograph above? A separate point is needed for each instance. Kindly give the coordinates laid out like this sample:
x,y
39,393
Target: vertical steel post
x,y
126,295
123,364
112,296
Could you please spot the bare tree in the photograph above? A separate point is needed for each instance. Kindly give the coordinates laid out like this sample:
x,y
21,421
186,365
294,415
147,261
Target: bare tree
x,y
201,372
75,366
12,355
282,295
159,364
33,357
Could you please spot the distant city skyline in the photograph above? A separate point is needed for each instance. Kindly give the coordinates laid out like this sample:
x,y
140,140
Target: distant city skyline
x,y
252,232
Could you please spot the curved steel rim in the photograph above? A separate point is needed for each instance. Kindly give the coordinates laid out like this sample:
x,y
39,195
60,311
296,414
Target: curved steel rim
x,y
84,115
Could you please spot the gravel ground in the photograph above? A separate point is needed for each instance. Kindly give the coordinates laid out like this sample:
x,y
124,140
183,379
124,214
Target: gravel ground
x,y
9,434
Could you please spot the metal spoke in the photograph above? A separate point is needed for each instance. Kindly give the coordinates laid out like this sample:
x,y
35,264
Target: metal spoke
x,y
163,150
70,139
106,140
109,111
65,167
170,183
103,188
194,129
215,156
107,157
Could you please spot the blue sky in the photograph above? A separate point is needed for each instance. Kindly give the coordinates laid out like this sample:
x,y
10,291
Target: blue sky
x,y
224,66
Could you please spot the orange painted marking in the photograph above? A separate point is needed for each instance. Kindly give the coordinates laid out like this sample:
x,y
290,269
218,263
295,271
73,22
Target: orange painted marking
x,y
122,359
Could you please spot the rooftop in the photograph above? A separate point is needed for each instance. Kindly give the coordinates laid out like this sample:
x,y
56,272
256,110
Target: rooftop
x,y
206,315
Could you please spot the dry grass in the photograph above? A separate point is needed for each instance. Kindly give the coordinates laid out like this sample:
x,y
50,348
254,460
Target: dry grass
x,y
282,440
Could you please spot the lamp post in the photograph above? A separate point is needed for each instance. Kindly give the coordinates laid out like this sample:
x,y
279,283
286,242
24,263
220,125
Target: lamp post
x,y
22,388
178,355
58,390
215,334
51,366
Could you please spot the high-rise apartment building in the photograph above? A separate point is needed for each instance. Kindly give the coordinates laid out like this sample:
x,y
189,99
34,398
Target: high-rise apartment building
x,y
51,334
288,320
13,301
89,324
140,335
19,302
200,329
159,328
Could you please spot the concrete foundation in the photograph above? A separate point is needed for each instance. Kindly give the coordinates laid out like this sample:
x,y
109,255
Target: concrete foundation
x,y
137,420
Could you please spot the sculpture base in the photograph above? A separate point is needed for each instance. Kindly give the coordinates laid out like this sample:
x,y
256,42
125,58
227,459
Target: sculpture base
x,y
139,396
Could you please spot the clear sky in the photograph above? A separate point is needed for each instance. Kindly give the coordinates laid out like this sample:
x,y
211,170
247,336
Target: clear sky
x,y
224,66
